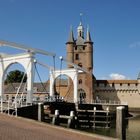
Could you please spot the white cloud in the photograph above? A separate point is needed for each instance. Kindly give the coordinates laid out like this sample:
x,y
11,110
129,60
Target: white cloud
x,y
135,44
117,76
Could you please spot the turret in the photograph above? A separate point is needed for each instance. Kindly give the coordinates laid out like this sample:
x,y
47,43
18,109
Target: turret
x,y
70,48
89,51
88,37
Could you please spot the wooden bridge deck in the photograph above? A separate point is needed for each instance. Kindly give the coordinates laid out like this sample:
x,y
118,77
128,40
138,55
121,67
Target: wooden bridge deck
x,y
16,128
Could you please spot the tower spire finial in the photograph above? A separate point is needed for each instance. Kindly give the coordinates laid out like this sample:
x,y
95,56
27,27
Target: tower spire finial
x,y
81,14
80,29
88,37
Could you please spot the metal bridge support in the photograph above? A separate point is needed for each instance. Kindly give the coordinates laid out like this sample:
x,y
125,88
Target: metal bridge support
x,y
30,80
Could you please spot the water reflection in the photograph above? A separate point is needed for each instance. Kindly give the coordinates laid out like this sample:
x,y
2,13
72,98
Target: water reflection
x,y
133,130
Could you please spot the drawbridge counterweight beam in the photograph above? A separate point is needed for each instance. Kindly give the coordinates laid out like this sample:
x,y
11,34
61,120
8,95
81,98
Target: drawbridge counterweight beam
x,y
25,48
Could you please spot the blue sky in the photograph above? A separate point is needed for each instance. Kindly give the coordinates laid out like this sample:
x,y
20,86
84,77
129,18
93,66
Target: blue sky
x,y
45,24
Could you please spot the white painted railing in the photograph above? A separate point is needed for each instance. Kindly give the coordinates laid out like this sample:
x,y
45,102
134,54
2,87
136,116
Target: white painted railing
x,y
6,105
55,98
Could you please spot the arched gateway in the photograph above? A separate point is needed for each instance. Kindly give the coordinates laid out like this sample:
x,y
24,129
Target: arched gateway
x,y
26,60
72,73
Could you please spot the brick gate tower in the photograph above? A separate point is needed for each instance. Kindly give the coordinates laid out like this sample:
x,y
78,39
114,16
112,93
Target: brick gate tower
x,y
80,52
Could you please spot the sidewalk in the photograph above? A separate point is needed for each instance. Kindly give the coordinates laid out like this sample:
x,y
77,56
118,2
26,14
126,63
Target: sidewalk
x,y
16,128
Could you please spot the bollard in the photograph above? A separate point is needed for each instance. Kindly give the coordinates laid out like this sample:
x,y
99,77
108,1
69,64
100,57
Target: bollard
x,y
94,116
40,112
120,123
55,120
71,120
107,117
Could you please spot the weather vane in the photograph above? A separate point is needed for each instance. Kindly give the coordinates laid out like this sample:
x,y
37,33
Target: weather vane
x,y
81,14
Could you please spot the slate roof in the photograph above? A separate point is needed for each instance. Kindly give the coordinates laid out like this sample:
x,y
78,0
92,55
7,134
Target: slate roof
x,y
80,41
71,37
138,76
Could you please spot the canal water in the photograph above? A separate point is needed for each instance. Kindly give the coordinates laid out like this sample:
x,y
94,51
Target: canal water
x,y
132,129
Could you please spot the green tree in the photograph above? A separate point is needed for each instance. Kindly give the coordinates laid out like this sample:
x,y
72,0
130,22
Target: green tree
x,y
15,77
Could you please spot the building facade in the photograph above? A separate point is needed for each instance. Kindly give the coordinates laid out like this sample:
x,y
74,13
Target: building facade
x,y
40,91
123,91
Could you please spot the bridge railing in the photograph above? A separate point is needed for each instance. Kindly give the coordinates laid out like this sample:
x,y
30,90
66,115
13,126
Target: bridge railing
x,y
55,98
12,104
7,105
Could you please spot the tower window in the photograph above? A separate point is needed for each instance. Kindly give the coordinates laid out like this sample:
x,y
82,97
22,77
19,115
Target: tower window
x,y
77,56
75,47
83,47
80,81
80,33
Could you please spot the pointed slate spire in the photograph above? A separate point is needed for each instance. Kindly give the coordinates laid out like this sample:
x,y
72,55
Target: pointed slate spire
x,y
88,37
71,37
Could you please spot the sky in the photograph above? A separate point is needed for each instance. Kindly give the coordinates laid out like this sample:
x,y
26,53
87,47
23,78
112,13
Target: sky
x,y
45,24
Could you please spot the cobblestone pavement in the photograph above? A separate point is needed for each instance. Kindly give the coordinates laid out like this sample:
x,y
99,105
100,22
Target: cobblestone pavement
x,y
16,128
